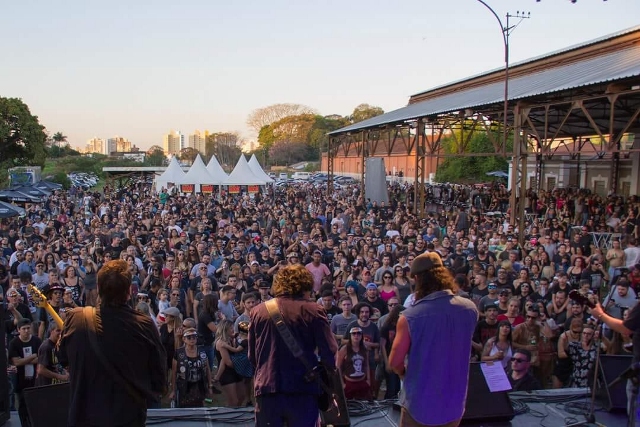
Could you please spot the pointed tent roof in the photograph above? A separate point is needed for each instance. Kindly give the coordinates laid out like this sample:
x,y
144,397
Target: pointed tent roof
x,y
198,173
216,171
257,169
173,173
242,174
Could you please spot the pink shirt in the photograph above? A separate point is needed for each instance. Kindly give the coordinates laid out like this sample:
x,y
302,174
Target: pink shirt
x,y
318,274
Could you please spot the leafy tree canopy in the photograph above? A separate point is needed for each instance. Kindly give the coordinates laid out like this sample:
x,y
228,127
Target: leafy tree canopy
x,y
22,137
364,112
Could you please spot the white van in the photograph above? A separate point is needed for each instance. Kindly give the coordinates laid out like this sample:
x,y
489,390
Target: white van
x,y
301,175
283,175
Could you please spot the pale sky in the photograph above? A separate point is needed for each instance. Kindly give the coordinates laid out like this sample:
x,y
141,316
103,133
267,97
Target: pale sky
x,y
140,68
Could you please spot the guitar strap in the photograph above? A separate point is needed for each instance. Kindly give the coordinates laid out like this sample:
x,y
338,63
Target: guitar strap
x,y
290,341
90,324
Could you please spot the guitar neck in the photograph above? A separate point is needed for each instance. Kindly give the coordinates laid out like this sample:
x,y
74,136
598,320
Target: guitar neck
x,y
56,318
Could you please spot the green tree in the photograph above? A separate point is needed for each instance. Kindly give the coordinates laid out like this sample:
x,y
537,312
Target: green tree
x,y
286,152
59,138
469,169
155,156
364,112
188,154
22,137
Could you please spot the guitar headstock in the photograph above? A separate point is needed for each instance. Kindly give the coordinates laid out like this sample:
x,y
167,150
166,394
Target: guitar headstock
x,y
37,296
574,295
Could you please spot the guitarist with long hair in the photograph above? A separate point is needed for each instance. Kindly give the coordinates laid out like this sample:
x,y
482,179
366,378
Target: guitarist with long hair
x,y
282,387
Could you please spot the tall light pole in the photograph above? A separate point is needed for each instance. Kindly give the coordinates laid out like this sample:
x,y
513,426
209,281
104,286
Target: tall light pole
x,y
506,31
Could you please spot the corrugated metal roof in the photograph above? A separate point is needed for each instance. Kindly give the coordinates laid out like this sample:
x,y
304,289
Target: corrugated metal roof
x,y
538,58
616,65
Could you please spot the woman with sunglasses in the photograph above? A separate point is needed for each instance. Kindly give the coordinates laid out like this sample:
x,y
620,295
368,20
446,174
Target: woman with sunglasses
x,y
190,373
353,363
387,289
402,284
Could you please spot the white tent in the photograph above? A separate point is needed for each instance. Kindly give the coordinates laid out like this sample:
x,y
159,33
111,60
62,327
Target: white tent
x,y
215,170
242,174
257,169
197,175
173,174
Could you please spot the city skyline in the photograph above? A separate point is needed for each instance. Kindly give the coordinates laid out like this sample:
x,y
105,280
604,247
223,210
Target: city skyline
x,y
88,69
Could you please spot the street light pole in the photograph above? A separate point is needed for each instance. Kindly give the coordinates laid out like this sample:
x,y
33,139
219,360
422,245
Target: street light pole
x,y
506,31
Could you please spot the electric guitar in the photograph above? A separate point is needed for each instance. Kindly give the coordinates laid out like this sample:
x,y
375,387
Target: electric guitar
x,y
41,301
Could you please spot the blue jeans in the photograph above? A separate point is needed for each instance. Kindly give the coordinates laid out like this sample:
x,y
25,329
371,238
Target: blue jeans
x,y
393,385
208,349
13,383
291,410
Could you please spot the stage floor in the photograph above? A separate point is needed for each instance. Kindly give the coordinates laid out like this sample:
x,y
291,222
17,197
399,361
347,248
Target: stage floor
x,y
553,408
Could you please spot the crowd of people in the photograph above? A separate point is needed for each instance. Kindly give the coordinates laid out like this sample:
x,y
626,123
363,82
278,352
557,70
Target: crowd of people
x,y
200,265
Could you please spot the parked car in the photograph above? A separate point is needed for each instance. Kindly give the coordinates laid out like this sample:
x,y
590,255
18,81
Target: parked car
x,y
283,175
301,175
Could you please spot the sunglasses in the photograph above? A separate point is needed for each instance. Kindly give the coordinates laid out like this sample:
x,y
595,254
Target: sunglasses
x,y
515,359
175,295
392,305
356,333
190,337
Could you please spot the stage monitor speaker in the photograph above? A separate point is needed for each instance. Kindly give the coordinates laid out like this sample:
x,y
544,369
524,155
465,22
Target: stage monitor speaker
x,y
5,414
48,406
483,405
610,368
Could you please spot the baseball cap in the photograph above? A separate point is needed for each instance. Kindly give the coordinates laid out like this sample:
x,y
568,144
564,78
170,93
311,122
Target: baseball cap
x,y
425,262
372,286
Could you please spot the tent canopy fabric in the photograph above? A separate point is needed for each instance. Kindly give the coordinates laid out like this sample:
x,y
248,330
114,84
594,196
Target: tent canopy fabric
x,y
257,169
242,174
7,210
173,174
215,170
197,174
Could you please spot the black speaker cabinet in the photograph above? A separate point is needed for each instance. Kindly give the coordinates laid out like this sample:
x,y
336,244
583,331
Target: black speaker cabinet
x,y
48,406
610,368
483,405
4,380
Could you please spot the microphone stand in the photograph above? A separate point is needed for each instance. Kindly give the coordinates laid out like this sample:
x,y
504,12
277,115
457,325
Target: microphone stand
x,y
591,417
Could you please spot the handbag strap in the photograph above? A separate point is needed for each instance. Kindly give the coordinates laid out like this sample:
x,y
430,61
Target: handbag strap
x,y
90,320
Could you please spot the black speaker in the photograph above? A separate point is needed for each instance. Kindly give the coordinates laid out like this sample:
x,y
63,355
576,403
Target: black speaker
x,y
483,405
610,368
4,380
48,406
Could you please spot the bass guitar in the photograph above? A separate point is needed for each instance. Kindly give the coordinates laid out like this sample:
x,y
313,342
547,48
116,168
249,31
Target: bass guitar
x,y
41,301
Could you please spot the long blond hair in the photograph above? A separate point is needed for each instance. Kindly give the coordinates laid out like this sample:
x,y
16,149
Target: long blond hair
x,y
222,331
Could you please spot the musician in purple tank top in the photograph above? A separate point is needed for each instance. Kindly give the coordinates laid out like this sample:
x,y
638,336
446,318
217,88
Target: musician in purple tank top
x,y
435,382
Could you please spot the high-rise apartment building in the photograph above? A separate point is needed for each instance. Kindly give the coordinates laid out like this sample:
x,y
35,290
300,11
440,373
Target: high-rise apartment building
x,y
173,142
198,140
95,145
117,144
